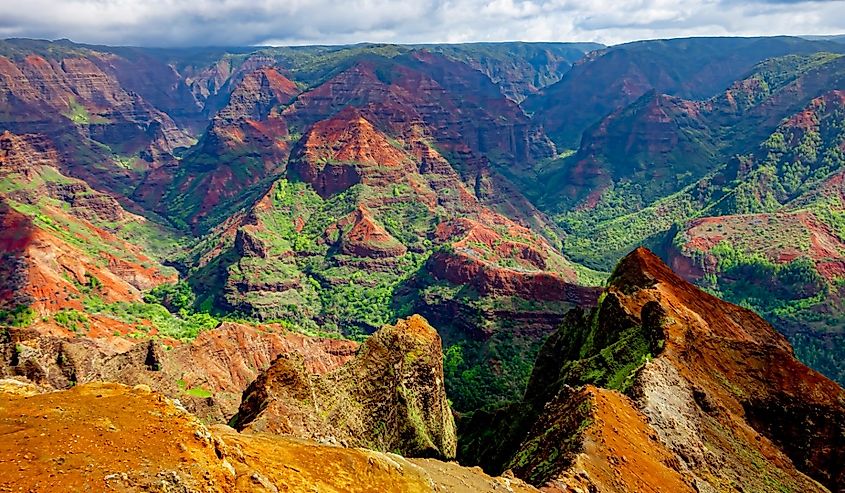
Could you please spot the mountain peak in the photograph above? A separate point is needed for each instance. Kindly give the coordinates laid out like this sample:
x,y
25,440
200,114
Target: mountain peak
x,y
348,137
642,268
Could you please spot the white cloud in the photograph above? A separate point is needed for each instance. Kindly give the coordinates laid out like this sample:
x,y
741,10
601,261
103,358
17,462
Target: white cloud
x,y
245,22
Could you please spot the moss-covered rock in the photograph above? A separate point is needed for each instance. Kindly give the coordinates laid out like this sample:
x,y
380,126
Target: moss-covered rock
x,y
390,397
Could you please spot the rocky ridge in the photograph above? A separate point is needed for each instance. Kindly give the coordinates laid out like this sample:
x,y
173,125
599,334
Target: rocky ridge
x,y
696,371
208,375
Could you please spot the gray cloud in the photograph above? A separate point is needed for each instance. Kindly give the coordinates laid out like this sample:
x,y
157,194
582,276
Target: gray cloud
x,y
248,22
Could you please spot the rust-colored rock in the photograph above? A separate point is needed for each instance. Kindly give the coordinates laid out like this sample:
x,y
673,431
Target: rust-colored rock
x,y
221,362
102,436
345,150
716,400
478,251
46,273
607,441
363,237
51,254
389,397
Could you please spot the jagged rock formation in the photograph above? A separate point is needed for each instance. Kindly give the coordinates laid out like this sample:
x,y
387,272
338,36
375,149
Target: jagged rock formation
x,y
366,238
716,400
208,374
390,397
107,436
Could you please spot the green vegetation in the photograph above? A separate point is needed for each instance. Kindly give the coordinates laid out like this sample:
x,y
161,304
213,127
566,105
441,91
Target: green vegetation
x,y
73,320
491,373
315,285
77,113
824,352
599,237
610,362
791,295
175,297
183,326
199,392
19,316
750,279
492,368
153,238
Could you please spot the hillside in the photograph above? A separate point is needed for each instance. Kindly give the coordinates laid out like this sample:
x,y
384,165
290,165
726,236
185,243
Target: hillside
x,y
729,189
691,68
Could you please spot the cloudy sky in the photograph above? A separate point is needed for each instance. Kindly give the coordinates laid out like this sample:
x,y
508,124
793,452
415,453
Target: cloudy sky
x,y
282,22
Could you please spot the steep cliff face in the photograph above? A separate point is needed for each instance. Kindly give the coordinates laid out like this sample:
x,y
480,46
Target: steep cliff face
x,y
607,441
661,142
390,397
108,436
524,69
451,106
40,91
713,391
46,273
511,262
425,89
771,238
769,138
91,106
366,238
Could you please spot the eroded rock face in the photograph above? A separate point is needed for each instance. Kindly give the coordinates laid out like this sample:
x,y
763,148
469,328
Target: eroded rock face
x,y
363,237
424,88
40,90
208,375
93,105
713,392
246,143
607,441
491,279
373,179
481,248
389,397
103,436
346,150
59,236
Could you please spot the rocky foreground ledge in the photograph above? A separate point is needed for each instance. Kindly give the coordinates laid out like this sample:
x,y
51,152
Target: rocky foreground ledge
x,y
104,436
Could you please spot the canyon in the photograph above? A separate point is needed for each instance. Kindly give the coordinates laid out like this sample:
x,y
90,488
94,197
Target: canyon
x,y
578,267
